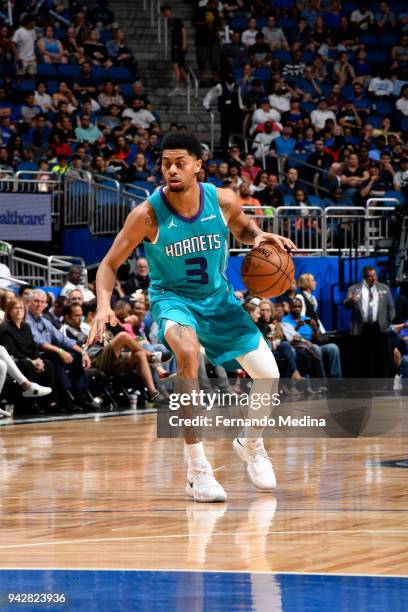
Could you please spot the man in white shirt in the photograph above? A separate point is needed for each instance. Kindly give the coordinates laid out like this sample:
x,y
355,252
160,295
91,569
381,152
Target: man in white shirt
x,y
320,115
263,140
74,282
402,103
249,36
264,113
280,98
362,17
400,179
381,86
138,115
24,47
275,37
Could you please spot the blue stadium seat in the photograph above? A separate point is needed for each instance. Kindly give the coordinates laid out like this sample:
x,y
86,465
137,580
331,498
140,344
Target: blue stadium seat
x,y
119,73
349,6
60,33
347,91
369,40
144,185
314,200
27,85
52,86
297,159
261,22
98,72
126,89
287,24
394,194
284,57
238,23
388,40
307,57
374,120
378,57
69,71
282,4
263,73
308,107
27,168
238,73
47,70
104,36
382,107
404,124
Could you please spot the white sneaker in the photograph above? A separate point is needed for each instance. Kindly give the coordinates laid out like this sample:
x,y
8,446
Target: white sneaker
x,y
37,391
259,466
201,484
175,92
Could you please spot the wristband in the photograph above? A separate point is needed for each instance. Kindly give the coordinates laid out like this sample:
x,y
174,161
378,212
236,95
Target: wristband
x,y
61,350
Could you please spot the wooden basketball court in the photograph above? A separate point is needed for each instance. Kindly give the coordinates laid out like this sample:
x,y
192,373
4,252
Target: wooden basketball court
x,y
105,494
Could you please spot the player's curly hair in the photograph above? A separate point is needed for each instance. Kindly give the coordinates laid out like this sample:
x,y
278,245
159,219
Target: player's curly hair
x,y
183,140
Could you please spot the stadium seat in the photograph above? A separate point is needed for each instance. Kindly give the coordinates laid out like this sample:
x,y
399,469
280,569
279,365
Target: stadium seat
x,y
382,107
307,57
143,185
388,40
98,72
404,124
119,73
47,70
238,23
374,120
394,194
378,57
308,107
238,72
104,36
69,71
263,73
297,159
369,40
347,91
284,57
126,89
315,201
27,170
52,86
287,24
261,22
27,85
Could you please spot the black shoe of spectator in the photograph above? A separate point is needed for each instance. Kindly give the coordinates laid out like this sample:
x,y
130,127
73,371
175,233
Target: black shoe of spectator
x,y
86,403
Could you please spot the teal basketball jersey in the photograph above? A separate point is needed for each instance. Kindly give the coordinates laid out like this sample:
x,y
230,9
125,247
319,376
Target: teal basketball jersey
x,y
189,255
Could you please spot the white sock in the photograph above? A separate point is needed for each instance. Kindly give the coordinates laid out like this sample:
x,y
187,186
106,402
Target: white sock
x,y
194,451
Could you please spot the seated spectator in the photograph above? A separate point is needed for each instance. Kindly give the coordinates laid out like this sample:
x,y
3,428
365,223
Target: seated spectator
x,y
139,279
54,313
138,115
281,147
286,298
352,178
295,68
259,53
274,36
234,52
110,95
401,176
249,170
68,358
321,114
264,113
74,327
381,86
95,51
249,35
86,84
399,54
64,94
260,182
270,196
120,53
343,71
264,139
74,282
73,50
138,170
385,19
247,200
50,48
42,98
17,339
308,328
86,131
349,119
291,183
362,17
402,103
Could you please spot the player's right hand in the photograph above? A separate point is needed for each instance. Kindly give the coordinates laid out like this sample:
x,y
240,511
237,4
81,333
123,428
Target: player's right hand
x,y
102,318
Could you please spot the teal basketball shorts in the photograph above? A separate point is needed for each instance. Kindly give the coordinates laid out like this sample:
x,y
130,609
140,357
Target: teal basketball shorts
x,y
223,327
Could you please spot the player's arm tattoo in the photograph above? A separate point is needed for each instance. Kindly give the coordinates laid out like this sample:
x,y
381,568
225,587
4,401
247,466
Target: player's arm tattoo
x,y
150,219
248,232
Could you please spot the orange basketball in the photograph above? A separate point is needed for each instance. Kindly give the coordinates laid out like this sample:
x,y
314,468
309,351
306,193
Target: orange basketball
x,y
267,271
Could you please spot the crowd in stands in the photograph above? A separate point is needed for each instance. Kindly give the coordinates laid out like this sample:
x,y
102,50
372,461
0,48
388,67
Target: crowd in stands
x,y
43,342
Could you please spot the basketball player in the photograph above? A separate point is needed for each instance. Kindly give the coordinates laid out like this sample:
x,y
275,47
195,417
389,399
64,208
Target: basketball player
x,y
184,229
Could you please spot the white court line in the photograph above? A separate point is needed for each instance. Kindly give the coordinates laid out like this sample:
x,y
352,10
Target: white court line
x,y
180,535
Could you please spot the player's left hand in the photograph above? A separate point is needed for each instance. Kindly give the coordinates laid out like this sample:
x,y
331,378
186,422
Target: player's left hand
x,y
280,241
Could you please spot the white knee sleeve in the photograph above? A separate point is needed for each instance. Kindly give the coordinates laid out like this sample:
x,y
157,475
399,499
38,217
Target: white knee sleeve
x,y
259,363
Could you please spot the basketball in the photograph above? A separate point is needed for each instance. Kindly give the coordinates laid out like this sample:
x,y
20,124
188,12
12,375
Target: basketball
x,y
267,271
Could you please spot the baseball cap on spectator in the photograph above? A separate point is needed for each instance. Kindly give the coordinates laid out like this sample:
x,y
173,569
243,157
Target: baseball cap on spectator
x,y
255,301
